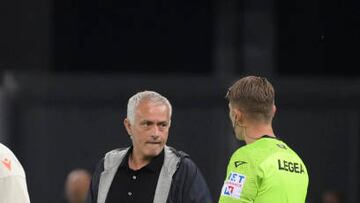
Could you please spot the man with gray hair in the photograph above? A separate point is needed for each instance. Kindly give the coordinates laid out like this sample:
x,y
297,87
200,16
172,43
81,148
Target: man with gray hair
x,y
148,171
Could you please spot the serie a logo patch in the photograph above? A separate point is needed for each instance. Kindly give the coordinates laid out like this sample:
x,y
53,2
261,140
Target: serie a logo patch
x,y
233,185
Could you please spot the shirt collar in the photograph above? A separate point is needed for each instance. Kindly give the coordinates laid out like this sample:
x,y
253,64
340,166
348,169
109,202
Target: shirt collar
x,y
155,164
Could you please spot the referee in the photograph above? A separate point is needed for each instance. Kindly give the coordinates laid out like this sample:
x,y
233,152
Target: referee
x,y
265,170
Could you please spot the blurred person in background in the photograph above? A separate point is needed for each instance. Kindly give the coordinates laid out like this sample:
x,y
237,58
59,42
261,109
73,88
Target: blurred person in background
x,y
13,188
265,169
77,185
331,196
148,171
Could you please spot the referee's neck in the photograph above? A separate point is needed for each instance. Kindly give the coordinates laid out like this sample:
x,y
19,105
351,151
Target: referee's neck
x,y
255,132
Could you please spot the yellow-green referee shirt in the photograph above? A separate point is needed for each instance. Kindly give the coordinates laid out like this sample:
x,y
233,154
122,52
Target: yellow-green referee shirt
x,y
265,171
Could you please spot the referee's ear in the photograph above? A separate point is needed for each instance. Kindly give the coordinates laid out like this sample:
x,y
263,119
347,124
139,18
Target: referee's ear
x,y
273,110
238,116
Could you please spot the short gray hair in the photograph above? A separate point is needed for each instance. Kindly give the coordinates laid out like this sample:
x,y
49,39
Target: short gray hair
x,y
152,96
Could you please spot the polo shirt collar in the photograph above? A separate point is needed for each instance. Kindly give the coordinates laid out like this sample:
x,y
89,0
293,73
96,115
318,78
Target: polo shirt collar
x,y
155,164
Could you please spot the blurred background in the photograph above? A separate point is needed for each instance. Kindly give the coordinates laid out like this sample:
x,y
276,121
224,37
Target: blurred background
x,y
69,66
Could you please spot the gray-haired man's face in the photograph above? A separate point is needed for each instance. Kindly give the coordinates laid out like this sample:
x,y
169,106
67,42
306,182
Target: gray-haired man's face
x,y
149,131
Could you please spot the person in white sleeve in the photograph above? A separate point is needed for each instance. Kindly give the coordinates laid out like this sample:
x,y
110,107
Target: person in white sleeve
x,y
13,188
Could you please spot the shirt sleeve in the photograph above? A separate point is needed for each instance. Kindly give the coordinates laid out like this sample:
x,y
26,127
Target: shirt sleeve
x,y
198,192
240,185
94,184
13,189
13,186
189,185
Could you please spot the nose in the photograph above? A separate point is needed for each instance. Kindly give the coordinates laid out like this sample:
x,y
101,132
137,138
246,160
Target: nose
x,y
155,137
155,134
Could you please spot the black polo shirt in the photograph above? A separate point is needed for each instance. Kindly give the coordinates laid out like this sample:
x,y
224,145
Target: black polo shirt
x,y
135,186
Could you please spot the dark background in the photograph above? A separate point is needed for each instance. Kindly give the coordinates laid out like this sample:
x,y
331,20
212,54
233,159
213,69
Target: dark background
x,y
68,68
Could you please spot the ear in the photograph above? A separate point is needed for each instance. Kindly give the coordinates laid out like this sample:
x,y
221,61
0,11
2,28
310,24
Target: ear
x,y
273,110
128,126
237,115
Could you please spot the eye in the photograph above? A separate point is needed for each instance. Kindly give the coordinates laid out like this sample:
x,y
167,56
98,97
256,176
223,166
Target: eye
x,y
146,123
164,124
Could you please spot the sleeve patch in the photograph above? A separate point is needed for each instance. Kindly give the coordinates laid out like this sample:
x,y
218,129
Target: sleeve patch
x,y
233,185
